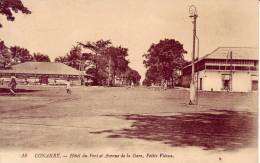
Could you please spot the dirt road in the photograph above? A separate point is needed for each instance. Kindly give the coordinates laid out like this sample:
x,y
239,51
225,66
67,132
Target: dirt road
x,y
139,121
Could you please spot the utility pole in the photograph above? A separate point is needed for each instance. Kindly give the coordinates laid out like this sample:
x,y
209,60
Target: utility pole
x,y
79,74
81,70
194,16
96,67
197,73
109,71
231,72
82,73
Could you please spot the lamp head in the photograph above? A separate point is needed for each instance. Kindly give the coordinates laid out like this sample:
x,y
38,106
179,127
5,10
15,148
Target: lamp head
x,y
193,11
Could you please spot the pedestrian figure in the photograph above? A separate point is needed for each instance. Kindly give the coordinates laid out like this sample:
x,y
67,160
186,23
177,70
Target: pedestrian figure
x,y
2,81
68,90
12,85
26,81
82,81
165,85
132,84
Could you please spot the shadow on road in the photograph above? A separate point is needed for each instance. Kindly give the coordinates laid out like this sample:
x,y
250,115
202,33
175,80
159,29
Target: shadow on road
x,y
6,91
214,130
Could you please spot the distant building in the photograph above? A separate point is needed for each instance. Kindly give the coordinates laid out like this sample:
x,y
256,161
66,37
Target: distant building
x,y
43,72
225,69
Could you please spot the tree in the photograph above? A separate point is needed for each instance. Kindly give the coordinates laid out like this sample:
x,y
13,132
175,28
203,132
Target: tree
x,y
163,60
152,76
5,56
61,59
132,76
109,59
98,53
98,47
7,7
20,55
118,61
15,55
93,61
74,57
100,59
38,57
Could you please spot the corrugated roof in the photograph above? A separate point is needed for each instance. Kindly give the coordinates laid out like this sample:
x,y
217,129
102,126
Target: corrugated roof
x,y
42,68
244,53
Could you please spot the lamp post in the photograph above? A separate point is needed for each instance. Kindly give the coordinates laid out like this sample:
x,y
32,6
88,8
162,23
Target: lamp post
x,y
194,16
197,81
109,71
81,75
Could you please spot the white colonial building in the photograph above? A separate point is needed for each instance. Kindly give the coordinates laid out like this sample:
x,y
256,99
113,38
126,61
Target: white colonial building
x,y
225,69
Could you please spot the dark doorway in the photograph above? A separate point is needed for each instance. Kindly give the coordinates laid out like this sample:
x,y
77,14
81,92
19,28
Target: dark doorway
x,y
200,84
226,84
254,85
44,79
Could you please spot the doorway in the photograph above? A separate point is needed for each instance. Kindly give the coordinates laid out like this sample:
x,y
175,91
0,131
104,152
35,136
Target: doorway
x,y
200,88
254,85
226,82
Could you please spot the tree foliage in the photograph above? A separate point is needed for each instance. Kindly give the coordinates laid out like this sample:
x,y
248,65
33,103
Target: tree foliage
x,y
20,55
5,56
15,54
9,7
98,59
74,57
61,59
163,60
38,57
133,76
100,56
119,63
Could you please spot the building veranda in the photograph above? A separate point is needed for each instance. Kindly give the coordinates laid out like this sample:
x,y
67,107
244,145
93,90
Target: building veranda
x,y
225,69
50,73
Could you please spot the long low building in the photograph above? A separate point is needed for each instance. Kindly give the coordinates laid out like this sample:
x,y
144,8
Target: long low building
x,y
43,72
225,69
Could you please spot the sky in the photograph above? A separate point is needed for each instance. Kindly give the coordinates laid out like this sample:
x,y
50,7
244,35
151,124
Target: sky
x,y
56,25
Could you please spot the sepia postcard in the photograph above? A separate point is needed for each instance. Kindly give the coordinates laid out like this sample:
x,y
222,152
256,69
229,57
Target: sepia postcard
x,y
120,81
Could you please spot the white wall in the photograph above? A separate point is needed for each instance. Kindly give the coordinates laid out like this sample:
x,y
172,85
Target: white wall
x,y
211,80
241,81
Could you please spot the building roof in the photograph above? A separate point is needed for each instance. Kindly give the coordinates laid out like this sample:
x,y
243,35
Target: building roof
x,y
243,53
51,68
240,53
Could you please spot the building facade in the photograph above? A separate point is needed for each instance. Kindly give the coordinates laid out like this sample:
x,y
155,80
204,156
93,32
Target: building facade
x,y
44,73
225,69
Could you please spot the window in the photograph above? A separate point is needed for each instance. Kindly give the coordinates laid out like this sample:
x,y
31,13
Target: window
x,y
241,68
212,67
226,82
230,67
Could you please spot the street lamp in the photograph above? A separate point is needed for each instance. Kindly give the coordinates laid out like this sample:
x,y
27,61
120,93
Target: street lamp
x,y
109,71
194,16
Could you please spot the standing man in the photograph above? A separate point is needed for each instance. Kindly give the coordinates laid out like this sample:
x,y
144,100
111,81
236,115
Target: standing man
x,y
12,85
68,87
